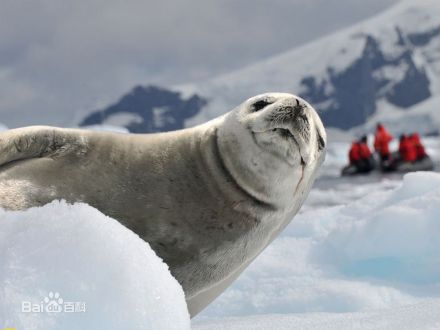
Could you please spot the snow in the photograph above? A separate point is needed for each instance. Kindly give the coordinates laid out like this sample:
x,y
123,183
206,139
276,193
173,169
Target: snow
x,y
107,128
359,255
75,253
418,316
123,119
423,117
338,135
159,117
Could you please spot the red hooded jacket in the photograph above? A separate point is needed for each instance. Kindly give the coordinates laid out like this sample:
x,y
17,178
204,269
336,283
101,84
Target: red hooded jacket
x,y
407,150
381,140
364,151
354,154
420,149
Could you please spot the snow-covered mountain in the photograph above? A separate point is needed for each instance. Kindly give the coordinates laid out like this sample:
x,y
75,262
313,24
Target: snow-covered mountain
x,y
388,63
147,109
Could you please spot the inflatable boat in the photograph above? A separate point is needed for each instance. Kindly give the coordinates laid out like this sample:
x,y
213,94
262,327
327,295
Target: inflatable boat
x,y
397,165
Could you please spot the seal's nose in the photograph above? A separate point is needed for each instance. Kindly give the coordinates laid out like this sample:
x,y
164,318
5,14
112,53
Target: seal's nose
x,y
300,111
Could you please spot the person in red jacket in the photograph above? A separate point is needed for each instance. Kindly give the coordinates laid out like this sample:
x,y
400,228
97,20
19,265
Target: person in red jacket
x,y
365,152
381,142
360,156
366,161
354,154
420,149
407,149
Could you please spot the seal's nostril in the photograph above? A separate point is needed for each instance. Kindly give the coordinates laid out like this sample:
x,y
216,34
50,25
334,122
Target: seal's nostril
x,y
300,111
297,103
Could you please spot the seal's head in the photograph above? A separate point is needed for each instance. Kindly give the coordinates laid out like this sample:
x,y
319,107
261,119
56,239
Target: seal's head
x,y
286,125
282,143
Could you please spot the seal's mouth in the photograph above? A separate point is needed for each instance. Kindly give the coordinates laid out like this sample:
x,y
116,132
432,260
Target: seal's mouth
x,y
287,134
284,132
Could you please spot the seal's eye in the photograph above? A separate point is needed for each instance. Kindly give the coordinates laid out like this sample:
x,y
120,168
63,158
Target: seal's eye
x,y
257,106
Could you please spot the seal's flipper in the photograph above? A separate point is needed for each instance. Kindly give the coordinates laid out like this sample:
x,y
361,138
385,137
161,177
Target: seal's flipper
x,y
37,142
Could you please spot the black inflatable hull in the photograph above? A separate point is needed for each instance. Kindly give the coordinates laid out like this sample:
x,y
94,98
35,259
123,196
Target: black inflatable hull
x,y
425,164
350,170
